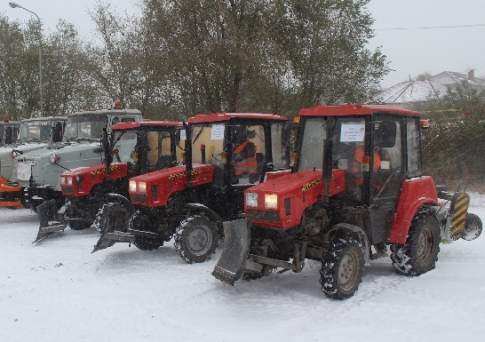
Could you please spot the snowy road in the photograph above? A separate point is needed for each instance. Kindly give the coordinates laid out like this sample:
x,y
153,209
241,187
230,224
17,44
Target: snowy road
x,y
58,291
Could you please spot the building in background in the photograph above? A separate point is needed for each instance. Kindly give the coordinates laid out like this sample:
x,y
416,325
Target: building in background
x,y
427,87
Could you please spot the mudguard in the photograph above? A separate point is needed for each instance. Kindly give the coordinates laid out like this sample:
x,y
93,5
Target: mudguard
x,y
237,241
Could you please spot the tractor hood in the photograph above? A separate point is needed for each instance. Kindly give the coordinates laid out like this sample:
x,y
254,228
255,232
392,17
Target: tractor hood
x,y
154,189
6,156
279,202
46,165
80,182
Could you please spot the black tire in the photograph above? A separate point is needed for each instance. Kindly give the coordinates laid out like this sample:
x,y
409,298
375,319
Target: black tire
x,y
196,239
420,253
473,227
79,225
342,268
140,221
147,244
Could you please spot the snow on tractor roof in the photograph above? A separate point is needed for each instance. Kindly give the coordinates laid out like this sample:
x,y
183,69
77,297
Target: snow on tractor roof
x,y
218,117
109,111
122,126
355,110
45,118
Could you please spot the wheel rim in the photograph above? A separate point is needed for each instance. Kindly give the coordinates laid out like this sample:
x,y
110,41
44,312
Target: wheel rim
x,y
199,240
425,244
348,271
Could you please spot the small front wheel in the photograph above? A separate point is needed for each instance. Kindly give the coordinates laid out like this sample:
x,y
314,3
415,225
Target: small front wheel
x,y
196,239
342,269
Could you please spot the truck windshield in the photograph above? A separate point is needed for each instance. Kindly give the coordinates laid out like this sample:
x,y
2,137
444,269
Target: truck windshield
x,y
208,144
85,127
311,151
36,131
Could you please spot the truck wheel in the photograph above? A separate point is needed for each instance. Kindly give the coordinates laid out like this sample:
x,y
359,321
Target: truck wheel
x,y
79,225
473,227
420,253
196,239
342,269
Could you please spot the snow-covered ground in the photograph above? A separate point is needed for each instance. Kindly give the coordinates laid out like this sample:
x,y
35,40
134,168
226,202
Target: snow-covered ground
x,y
58,291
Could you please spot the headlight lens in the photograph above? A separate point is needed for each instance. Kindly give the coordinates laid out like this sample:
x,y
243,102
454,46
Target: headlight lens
x,y
252,199
132,186
54,158
271,201
142,187
69,180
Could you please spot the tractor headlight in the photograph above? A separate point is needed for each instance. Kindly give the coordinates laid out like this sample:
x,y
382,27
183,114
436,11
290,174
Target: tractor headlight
x,y
68,180
142,187
54,158
252,199
271,201
132,186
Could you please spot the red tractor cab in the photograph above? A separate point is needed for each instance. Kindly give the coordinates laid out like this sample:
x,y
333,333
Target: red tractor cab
x,y
130,149
225,154
356,189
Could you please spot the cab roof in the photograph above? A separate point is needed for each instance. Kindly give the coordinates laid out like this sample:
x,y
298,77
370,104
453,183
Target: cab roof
x,y
356,110
109,112
123,126
221,117
46,118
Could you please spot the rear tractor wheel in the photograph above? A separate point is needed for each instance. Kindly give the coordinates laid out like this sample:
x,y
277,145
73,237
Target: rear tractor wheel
x,y
420,253
196,239
342,268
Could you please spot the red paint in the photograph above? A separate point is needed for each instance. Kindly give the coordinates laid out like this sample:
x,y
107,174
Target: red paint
x,y
355,110
169,181
123,126
6,188
90,177
414,194
221,117
303,189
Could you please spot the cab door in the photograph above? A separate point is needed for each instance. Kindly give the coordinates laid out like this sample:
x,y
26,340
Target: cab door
x,y
387,173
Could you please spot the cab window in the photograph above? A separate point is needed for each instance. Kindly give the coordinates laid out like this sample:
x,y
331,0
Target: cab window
x,y
159,149
279,146
248,153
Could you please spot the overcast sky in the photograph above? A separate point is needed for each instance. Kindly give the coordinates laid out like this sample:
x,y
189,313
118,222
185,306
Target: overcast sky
x,y
410,52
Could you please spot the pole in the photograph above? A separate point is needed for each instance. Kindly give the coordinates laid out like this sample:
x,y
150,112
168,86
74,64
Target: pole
x,y
41,91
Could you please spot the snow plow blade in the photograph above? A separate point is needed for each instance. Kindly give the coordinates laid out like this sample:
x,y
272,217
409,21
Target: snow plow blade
x,y
108,239
231,264
114,227
50,221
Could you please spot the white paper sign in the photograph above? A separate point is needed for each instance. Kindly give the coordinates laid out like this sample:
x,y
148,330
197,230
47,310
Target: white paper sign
x,y
217,132
352,132
183,134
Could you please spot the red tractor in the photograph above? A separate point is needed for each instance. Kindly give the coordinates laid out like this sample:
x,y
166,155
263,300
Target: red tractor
x,y
357,189
225,154
130,149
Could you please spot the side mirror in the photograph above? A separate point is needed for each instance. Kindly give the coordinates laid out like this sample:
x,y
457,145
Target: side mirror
x,y
424,123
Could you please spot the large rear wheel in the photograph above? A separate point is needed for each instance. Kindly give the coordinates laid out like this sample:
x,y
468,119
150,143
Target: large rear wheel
x,y
342,268
196,239
420,253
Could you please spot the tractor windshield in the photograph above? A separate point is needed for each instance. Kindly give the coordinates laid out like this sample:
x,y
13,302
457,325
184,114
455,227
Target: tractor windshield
x,y
208,144
124,146
85,127
151,148
36,131
314,136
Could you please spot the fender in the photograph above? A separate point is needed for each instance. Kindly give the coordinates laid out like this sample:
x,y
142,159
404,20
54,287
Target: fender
x,y
118,198
355,230
200,207
415,193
